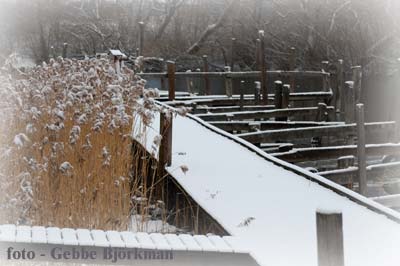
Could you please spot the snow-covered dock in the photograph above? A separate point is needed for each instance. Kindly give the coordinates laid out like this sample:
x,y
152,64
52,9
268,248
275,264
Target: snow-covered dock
x,y
271,205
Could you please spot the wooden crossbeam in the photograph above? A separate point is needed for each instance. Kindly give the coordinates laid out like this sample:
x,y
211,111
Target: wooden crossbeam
x,y
333,152
373,130
374,172
225,109
312,112
222,100
268,125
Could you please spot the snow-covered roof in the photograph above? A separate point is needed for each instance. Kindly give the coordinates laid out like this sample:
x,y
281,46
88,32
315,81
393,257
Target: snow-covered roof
x,y
100,238
270,205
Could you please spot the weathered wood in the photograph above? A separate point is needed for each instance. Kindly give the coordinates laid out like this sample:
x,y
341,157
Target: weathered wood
x,y
141,38
171,80
325,79
242,88
273,74
349,102
357,76
339,89
206,79
322,114
267,125
65,50
263,68
361,157
286,98
390,201
330,239
278,94
325,153
226,109
233,53
373,130
310,112
257,89
292,66
165,151
228,83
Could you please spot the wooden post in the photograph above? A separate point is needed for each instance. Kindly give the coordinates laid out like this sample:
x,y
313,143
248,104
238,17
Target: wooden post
x,y
263,68
206,79
322,113
162,79
345,162
165,151
65,50
357,76
141,37
339,91
330,239
348,94
257,92
285,98
278,94
361,156
258,41
171,80
292,66
233,53
189,83
228,82
242,87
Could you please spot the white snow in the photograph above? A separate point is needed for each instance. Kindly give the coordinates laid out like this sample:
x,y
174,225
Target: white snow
x,y
233,182
175,242
99,238
39,234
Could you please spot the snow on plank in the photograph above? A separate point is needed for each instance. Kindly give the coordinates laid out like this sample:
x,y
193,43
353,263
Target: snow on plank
x,y
54,235
7,233
145,240
69,236
115,239
99,238
236,244
24,234
84,237
205,243
130,240
39,234
175,242
220,244
160,241
190,242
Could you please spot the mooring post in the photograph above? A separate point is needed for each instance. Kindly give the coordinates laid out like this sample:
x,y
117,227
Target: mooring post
x,y
206,79
361,157
257,89
258,41
322,114
242,87
348,94
292,67
141,37
228,82
325,77
357,76
278,94
165,150
263,68
171,80
285,98
233,53
65,50
339,89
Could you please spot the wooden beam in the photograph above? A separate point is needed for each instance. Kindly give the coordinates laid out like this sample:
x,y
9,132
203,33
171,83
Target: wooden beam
x,y
325,153
289,112
171,80
339,131
225,109
267,125
361,157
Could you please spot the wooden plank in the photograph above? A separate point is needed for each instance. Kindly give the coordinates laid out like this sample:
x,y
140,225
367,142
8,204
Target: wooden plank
x,y
326,153
290,112
268,125
340,131
361,157
330,239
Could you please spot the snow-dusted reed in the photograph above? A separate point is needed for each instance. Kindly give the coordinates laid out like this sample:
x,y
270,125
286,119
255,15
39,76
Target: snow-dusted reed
x,y
65,143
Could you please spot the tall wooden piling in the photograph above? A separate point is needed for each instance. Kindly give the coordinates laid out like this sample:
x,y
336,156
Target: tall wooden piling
x,y
165,151
285,99
361,156
339,89
141,37
357,76
348,94
257,89
206,78
65,50
171,80
292,67
322,114
278,94
242,88
228,82
233,53
263,68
